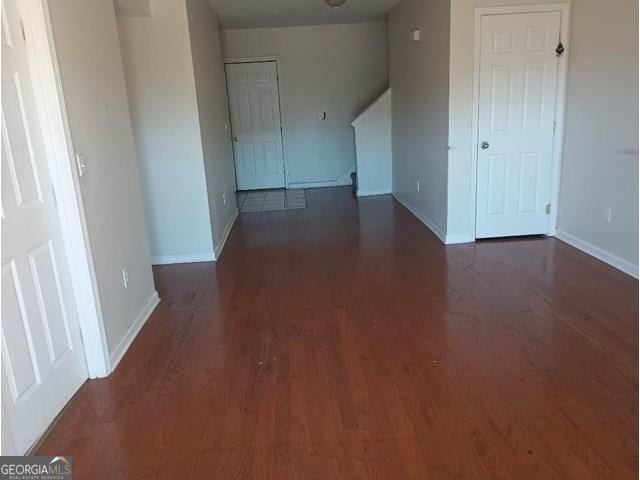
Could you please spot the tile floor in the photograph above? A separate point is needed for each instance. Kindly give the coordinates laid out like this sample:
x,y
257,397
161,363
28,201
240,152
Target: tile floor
x,y
271,200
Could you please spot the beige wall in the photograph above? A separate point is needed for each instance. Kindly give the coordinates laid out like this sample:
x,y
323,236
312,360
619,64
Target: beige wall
x,y
96,101
162,94
213,110
337,69
600,161
419,77
600,167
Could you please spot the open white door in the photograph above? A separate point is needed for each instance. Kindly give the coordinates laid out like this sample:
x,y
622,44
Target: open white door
x,y
254,103
517,103
43,362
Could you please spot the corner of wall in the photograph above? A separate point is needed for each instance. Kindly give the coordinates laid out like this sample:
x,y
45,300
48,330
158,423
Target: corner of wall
x,y
205,45
139,322
225,234
156,50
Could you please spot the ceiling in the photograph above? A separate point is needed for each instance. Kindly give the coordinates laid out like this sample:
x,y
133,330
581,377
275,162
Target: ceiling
x,y
286,13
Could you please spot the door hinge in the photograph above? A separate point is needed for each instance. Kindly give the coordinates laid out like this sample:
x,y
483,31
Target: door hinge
x,y
547,209
81,164
24,35
55,197
555,124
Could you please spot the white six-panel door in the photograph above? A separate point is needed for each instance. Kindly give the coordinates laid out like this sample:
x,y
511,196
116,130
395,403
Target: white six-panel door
x,y
43,362
518,85
255,121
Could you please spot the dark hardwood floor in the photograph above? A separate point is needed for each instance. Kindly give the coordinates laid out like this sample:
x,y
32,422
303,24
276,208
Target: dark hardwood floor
x,y
345,341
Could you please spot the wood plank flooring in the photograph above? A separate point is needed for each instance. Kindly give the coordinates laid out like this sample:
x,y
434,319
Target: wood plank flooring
x,y
345,341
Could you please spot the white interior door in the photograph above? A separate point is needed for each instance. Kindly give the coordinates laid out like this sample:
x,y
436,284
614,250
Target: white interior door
x,y
43,362
254,102
518,84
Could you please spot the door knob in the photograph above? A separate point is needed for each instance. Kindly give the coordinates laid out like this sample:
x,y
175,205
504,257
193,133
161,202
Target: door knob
x,y
484,145
234,138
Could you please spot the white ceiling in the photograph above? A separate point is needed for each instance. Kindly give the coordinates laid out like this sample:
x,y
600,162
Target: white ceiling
x,y
286,13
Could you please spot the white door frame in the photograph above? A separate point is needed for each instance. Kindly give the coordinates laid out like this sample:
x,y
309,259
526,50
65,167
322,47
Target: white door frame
x,y
278,62
556,162
51,108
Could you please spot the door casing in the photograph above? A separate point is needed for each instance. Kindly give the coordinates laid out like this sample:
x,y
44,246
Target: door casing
x,y
276,59
565,11
64,176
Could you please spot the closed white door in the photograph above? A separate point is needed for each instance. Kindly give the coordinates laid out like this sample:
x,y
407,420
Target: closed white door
x,y
254,102
43,362
518,84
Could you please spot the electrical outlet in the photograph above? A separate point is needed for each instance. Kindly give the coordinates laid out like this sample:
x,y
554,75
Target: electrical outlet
x,y
418,186
607,215
125,278
224,198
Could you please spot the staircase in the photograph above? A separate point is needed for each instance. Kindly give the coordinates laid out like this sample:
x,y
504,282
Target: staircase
x,y
373,148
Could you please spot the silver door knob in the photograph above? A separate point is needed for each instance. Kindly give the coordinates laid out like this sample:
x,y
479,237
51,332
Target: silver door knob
x,y
234,138
484,145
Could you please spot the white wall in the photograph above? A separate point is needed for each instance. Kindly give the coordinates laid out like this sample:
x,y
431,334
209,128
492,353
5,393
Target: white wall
x,y
600,164
419,78
373,147
337,69
159,71
213,109
600,168
95,97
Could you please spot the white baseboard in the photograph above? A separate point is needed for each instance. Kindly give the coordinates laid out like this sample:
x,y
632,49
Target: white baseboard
x,y
197,257
225,235
191,258
597,252
298,186
458,239
430,225
371,193
343,180
133,331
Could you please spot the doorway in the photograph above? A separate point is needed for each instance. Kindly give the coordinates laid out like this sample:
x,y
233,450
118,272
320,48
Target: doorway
x,y
254,104
52,333
42,351
518,75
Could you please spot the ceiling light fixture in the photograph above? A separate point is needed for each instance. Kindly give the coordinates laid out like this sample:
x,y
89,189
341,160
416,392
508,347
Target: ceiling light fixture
x,y
335,3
